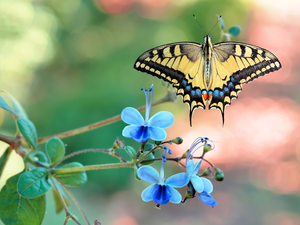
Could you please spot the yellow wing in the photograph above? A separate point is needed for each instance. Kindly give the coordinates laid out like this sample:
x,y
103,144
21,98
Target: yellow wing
x,y
235,64
183,64
180,64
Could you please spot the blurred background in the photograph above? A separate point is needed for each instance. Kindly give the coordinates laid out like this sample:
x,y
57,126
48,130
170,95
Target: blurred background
x,y
70,64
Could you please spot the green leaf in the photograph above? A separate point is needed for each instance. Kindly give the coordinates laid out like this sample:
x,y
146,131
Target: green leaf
x,y
151,156
33,183
28,130
55,149
58,205
135,172
73,179
149,146
4,159
15,107
234,31
6,106
130,151
14,209
41,157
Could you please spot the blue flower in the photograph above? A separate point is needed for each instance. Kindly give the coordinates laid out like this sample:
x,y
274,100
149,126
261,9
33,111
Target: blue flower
x,y
161,191
200,184
141,130
207,199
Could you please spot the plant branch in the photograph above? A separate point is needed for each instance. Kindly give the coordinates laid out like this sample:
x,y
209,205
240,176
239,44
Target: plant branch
x,y
90,150
68,214
92,167
168,97
74,199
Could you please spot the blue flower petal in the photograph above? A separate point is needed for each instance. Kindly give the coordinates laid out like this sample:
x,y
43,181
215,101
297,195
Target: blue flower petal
x,y
208,187
131,116
197,166
148,174
197,183
128,129
190,167
157,134
207,199
140,134
161,119
176,196
161,194
178,180
148,193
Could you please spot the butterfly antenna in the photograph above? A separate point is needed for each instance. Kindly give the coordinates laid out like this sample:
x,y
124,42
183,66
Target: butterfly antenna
x,y
215,24
199,23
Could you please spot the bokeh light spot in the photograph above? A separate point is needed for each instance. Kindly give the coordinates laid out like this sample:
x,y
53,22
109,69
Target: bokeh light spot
x,y
114,6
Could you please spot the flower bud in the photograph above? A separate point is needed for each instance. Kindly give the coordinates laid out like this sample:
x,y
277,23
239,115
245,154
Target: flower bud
x,y
234,31
190,192
119,144
157,142
185,154
219,175
177,140
222,24
207,173
97,222
206,148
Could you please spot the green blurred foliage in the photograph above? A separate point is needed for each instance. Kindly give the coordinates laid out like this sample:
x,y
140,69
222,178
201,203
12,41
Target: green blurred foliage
x,y
73,66
85,73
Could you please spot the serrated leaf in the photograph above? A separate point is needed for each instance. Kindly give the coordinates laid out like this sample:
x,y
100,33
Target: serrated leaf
x,y
4,158
234,31
55,149
58,205
28,131
17,210
130,151
33,183
73,179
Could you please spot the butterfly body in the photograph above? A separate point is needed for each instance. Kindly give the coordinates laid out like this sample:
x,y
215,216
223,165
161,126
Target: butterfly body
x,y
207,74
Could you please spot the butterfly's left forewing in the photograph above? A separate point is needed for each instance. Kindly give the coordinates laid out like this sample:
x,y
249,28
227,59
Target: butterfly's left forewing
x,y
180,64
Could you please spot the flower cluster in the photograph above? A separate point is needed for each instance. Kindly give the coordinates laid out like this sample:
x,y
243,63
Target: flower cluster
x,y
162,191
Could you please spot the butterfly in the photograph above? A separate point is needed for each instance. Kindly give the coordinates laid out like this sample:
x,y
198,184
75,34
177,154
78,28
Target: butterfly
x,y
206,73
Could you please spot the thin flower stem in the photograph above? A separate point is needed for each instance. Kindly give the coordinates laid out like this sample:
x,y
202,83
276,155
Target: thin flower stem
x,y
168,97
148,153
89,150
92,167
68,214
74,199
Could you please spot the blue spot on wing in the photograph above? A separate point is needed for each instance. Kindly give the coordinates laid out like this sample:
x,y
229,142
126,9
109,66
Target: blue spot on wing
x,y
216,93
